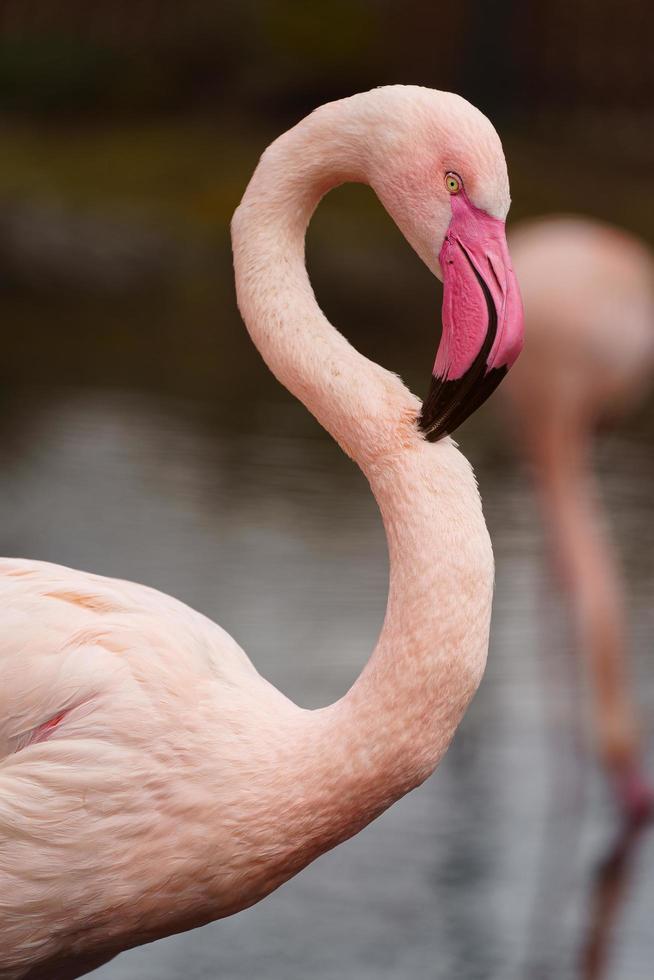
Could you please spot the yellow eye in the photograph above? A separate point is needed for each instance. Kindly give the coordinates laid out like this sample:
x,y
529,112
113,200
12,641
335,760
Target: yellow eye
x,y
453,183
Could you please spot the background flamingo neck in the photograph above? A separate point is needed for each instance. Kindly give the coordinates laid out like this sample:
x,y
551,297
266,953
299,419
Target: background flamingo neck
x,y
589,567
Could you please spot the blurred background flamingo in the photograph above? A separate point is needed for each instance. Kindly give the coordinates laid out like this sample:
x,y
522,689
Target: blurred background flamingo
x,y
588,290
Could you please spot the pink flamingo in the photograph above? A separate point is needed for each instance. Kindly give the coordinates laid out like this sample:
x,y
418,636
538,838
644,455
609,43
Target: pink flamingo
x,y
589,300
150,779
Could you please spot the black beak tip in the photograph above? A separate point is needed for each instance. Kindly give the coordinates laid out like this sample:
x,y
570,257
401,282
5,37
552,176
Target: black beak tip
x,y
434,411
450,402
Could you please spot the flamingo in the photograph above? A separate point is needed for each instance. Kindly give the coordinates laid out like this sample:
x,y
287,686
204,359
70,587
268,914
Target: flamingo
x,y
151,780
589,298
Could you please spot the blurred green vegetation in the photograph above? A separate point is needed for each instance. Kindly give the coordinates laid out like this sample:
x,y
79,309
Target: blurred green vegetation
x,y
180,170
129,131
192,173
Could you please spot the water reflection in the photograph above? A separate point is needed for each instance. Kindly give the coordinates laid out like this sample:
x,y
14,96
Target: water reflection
x,y
489,864
608,892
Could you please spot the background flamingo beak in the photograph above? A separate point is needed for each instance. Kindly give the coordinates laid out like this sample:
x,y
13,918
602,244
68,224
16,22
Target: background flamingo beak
x,y
483,324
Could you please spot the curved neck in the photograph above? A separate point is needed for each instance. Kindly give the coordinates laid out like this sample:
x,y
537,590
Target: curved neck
x,y
355,399
391,729
589,567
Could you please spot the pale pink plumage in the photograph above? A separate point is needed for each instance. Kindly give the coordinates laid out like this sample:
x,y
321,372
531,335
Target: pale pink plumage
x,y
178,785
588,290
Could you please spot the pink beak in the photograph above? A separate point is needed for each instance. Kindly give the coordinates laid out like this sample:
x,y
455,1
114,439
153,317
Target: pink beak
x,y
483,325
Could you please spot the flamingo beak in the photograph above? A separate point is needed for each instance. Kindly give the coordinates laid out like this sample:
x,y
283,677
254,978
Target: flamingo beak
x,y
483,323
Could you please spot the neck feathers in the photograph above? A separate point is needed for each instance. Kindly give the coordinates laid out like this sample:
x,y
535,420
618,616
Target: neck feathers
x,y
365,408
391,729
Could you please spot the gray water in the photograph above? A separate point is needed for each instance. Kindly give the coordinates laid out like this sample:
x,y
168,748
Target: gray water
x,y
486,870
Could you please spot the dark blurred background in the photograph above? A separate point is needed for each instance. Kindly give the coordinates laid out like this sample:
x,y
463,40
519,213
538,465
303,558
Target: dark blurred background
x,y
142,436
129,131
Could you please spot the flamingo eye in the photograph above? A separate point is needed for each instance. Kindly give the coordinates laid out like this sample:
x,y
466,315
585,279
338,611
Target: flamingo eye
x,y
453,183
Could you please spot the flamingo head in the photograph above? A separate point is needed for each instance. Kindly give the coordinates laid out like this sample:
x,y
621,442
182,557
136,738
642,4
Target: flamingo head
x,y
439,170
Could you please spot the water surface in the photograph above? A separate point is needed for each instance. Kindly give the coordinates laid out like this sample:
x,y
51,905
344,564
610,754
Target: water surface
x,y
485,871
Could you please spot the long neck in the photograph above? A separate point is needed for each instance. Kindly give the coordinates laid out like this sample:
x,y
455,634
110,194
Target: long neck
x,y
391,729
357,401
589,568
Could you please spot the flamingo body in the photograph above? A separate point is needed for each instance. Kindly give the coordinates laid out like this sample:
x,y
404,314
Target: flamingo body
x,y
589,296
107,813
